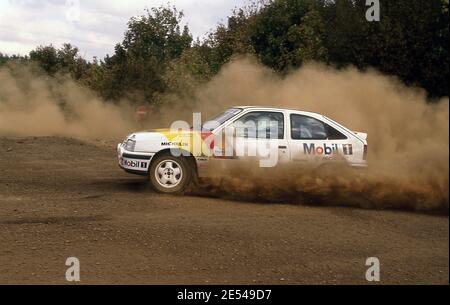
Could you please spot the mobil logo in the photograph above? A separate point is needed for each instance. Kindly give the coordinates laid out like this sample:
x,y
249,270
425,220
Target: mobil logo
x,y
134,164
130,163
324,149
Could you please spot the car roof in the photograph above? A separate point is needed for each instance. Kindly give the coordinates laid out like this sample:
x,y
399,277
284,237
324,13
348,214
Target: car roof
x,y
277,108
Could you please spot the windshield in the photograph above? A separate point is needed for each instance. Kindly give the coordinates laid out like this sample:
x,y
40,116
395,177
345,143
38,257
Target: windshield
x,y
218,120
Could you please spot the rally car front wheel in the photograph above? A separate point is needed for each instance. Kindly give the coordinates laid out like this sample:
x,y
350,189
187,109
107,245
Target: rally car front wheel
x,y
169,174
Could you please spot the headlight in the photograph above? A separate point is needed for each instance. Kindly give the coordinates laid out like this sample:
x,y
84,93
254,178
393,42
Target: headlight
x,y
130,144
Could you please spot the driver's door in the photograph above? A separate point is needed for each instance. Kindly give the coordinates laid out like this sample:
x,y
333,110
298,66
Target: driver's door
x,y
260,136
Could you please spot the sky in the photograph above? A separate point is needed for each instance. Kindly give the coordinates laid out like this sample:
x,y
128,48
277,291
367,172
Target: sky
x,y
94,26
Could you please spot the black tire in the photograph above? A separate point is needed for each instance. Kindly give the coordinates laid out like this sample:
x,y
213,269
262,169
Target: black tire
x,y
156,178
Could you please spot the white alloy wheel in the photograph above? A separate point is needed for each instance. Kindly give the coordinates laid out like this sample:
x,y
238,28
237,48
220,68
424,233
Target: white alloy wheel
x,y
168,173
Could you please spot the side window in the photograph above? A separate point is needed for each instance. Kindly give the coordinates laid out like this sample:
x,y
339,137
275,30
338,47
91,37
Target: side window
x,y
307,128
334,134
260,124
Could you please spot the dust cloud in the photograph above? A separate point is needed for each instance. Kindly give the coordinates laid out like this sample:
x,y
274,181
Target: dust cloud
x,y
408,135
32,104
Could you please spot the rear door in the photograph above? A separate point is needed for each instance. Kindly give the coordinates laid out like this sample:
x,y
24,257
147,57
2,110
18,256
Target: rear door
x,y
312,139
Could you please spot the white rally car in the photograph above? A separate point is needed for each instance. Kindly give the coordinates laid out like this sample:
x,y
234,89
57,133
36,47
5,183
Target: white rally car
x,y
172,158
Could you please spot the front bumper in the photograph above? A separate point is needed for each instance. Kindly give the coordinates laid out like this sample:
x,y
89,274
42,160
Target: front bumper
x,y
133,162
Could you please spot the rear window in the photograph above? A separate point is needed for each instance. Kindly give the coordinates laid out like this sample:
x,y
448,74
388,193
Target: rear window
x,y
334,134
307,128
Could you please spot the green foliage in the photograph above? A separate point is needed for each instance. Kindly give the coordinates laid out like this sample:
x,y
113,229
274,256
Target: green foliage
x,y
157,56
47,58
3,58
183,75
275,27
408,31
234,38
157,35
307,40
140,61
187,71
410,41
65,60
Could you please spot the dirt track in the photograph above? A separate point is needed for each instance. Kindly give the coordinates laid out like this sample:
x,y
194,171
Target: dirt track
x,y
61,198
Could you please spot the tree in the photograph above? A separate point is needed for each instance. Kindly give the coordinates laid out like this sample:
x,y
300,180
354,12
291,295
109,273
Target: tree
x,y
46,57
150,43
346,32
307,39
270,38
65,60
185,73
71,62
157,55
233,38
3,58
157,34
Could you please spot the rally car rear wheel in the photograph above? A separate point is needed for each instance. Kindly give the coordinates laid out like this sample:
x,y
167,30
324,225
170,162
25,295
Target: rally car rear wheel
x,y
169,174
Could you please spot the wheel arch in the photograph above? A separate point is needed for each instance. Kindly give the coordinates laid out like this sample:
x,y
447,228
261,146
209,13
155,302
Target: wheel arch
x,y
182,153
